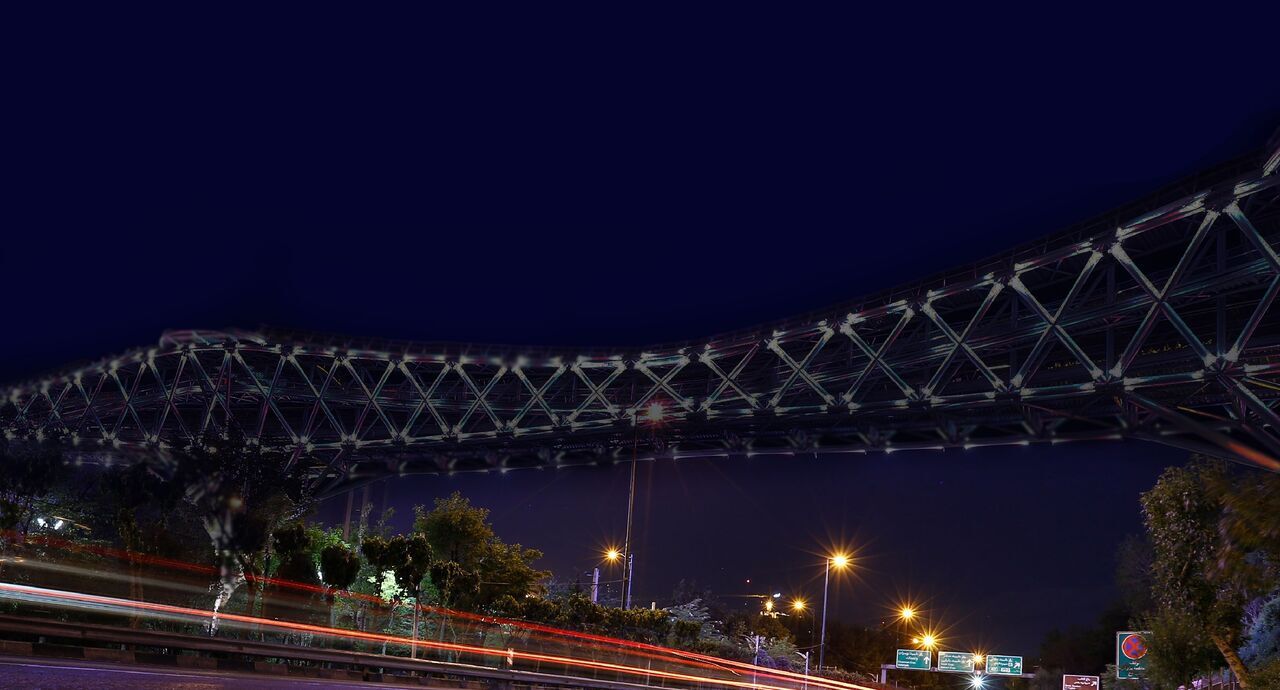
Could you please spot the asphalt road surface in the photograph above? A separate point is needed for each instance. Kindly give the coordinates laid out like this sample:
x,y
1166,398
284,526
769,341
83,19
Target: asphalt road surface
x,y
57,674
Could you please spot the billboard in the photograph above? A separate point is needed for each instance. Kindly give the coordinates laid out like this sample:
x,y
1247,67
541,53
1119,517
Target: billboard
x,y
1070,682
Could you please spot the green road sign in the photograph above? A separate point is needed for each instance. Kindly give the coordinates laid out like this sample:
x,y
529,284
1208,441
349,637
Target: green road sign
x,y
1131,654
960,662
915,659
1002,665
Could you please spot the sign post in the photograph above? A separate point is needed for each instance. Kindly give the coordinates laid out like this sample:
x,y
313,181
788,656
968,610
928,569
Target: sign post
x,y
915,659
1131,654
1004,665
956,662
1070,682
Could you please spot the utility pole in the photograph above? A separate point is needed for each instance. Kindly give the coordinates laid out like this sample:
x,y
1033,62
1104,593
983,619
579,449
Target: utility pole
x,y
822,643
805,656
631,561
628,557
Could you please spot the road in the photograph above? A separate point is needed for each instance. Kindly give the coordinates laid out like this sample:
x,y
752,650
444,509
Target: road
x,y
62,674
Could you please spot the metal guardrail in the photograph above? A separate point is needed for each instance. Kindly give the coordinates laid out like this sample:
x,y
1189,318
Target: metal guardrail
x,y
465,675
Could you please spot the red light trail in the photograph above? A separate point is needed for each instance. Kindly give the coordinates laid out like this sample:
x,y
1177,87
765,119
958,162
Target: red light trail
x,y
28,592
602,642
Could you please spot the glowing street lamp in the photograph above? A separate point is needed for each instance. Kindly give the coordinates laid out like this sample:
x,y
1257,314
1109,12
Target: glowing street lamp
x,y
928,641
978,658
798,605
628,561
977,682
906,613
840,561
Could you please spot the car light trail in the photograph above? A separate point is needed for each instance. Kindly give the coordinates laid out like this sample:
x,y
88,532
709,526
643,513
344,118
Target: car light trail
x,y
602,642
98,602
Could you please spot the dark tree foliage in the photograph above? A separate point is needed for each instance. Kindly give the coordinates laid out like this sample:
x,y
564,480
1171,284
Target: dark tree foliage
x,y
1133,575
408,558
860,649
1203,576
293,551
578,613
244,493
29,470
1084,649
339,567
473,568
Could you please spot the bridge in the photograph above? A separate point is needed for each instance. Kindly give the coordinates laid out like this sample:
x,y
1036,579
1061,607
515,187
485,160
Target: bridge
x,y
1153,322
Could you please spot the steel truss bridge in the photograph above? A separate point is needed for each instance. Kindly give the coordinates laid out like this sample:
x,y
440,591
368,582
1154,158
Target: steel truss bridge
x,y
1154,322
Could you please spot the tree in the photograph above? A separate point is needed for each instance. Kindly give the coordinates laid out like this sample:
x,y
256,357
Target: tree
x,y
338,565
1251,502
291,562
1083,649
409,559
1182,514
474,569
691,623
28,472
1179,652
1264,636
1133,574
149,515
244,493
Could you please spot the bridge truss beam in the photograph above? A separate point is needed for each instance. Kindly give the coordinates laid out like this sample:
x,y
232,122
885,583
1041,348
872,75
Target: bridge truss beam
x,y
1161,327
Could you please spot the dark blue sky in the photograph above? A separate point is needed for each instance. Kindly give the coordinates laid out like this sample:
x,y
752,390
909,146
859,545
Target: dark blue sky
x,y
584,179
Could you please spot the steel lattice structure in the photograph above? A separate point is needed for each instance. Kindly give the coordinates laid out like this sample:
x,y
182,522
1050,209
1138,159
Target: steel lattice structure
x,y
1154,322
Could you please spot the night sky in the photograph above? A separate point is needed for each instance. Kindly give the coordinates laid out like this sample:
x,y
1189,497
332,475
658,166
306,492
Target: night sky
x,y
605,182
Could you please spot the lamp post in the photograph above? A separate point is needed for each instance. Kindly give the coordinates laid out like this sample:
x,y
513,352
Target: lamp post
x,y
840,561
798,608
905,616
653,414
805,656
613,556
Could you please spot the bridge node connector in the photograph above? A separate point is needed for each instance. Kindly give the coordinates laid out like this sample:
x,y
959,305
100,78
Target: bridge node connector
x,y
1219,198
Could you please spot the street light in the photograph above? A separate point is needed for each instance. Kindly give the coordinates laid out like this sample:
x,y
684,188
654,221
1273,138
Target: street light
x,y
928,641
653,415
906,613
840,561
805,656
798,605
977,658
613,556
976,682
